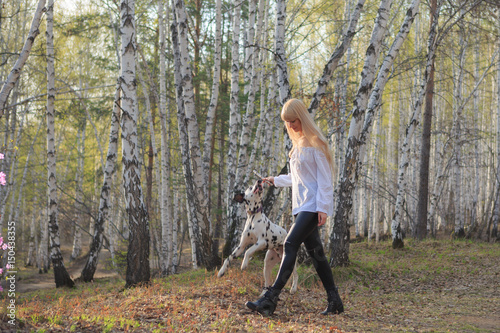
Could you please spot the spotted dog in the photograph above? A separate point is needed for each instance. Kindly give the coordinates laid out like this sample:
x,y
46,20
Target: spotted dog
x,y
262,234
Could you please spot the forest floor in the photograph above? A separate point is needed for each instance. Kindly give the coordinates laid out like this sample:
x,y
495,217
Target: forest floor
x,y
429,286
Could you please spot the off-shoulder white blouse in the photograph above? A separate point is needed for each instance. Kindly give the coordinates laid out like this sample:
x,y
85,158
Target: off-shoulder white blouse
x,y
311,181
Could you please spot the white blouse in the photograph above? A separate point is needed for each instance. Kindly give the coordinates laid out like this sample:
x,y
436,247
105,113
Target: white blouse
x,y
311,181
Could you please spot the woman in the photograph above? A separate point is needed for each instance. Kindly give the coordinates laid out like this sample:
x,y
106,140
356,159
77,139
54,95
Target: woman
x,y
312,196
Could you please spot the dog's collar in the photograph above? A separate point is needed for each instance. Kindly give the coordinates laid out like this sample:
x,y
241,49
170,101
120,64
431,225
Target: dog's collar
x,y
258,210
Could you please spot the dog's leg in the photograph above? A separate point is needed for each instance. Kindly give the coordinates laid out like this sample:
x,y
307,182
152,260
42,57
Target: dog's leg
x,y
272,258
244,242
260,245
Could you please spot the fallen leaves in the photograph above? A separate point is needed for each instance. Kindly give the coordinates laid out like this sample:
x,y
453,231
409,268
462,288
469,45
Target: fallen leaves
x,y
383,290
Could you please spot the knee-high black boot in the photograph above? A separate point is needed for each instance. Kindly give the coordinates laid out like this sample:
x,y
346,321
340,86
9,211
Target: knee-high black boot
x,y
267,303
335,305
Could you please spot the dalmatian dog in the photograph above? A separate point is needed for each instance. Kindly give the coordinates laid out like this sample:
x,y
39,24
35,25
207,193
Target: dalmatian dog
x,y
261,234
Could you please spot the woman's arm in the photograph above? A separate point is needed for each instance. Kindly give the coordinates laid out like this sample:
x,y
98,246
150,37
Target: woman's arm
x,y
282,180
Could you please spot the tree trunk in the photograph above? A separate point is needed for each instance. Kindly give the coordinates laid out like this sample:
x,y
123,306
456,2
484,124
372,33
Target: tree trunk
x,y
496,211
234,120
198,198
280,54
397,237
457,138
210,120
11,80
31,257
61,276
337,54
423,190
104,201
79,206
138,270
166,193
339,238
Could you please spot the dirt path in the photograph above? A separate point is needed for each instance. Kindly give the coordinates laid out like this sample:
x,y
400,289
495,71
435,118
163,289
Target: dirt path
x,y
33,280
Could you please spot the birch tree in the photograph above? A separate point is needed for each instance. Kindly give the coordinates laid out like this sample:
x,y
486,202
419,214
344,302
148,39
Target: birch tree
x,y
197,196
337,54
16,70
165,195
104,201
280,55
396,228
496,210
339,238
233,129
79,176
138,270
61,275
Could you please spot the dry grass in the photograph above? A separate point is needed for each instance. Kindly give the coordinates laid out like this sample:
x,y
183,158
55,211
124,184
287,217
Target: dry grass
x,y
430,286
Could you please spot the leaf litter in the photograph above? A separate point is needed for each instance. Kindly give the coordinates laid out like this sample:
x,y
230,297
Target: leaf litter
x,y
429,286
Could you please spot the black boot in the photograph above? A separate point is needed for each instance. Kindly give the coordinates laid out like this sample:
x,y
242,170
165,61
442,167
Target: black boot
x,y
267,303
334,302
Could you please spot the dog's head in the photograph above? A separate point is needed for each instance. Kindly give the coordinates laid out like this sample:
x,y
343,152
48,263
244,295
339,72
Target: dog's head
x,y
252,196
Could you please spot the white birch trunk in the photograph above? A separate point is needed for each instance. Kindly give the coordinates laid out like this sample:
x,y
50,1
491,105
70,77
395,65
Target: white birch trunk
x,y
496,212
255,81
375,188
337,54
175,224
233,130
79,206
249,47
457,145
138,270
61,276
11,80
210,120
43,246
166,193
339,238
198,198
31,257
105,196
280,53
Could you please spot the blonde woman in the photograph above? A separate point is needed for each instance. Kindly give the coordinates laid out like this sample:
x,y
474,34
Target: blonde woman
x,y
312,196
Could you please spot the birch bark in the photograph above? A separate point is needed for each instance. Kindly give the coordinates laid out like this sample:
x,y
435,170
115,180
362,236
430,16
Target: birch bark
x,y
457,138
280,54
337,54
31,258
210,120
496,212
77,240
339,238
198,199
61,276
397,237
104,201
166,193
16,71
138,270
233,130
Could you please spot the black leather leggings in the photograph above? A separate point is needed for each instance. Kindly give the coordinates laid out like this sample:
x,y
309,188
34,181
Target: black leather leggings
x,y
304,230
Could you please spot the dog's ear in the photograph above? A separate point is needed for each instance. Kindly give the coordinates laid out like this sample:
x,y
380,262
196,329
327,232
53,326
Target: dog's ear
x,y
238,197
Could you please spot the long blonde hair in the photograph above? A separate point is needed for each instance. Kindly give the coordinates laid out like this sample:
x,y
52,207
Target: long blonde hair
x,y
296,109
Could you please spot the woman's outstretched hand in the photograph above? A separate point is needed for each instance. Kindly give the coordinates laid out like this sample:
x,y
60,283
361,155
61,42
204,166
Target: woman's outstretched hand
x,y
268,180
321,218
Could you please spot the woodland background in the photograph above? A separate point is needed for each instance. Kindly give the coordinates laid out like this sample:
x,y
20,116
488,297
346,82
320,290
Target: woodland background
x,y
195,88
